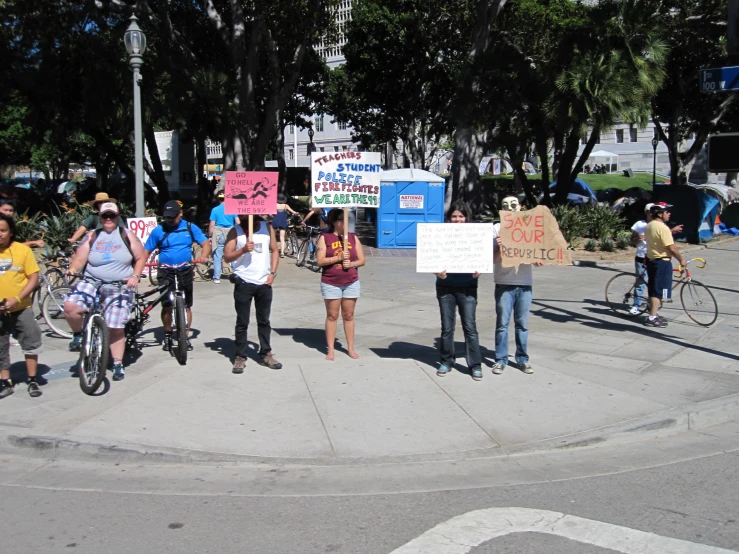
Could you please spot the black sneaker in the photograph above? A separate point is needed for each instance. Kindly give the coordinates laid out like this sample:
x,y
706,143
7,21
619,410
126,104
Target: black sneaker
x,y
189,346
656,322
167,344
6,388
33,389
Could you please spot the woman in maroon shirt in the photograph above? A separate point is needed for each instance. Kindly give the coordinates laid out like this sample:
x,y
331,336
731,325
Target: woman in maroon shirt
x,y
340,279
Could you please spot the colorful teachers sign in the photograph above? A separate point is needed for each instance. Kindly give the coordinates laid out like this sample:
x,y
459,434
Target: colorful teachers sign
x,y
345,179
532,236
251,192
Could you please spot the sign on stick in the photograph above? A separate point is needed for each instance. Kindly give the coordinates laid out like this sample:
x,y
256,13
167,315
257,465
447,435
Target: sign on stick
x,y
345,179
454,247
532,236
251,192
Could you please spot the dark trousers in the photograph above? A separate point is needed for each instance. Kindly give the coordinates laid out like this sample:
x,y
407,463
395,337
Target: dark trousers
x,y
451,298
262,296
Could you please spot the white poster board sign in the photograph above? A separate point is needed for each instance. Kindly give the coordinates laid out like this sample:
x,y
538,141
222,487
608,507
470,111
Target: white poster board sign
x,y
411,201
454,247
142,228
345,179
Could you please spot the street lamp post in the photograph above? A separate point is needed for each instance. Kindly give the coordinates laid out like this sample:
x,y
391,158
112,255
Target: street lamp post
x,y
311,146
655,143
135,42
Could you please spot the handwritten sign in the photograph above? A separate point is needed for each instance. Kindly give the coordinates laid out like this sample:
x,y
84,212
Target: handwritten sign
x,y
142,228
454,247
345,179
411,201
532,236
251,192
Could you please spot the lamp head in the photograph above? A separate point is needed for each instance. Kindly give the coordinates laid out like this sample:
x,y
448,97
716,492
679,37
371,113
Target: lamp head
x,y
134,38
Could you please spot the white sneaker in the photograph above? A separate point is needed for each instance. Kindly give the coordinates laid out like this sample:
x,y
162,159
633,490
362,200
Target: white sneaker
x,y
635,310
216,281
14,342
498,368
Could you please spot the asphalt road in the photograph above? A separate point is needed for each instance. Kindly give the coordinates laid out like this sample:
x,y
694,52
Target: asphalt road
x,y
693,501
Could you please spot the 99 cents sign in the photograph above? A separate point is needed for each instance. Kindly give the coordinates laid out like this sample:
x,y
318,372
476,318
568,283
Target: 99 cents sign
x,y
142,228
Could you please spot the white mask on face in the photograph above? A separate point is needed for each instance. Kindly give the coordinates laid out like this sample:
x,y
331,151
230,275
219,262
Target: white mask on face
x,y
510,204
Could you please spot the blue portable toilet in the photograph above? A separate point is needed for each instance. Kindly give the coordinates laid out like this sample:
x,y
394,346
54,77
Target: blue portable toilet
x,y
408,197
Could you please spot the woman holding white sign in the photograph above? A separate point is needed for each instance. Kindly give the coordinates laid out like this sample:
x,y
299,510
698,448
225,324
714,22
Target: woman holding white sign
x,y
458,290
340,254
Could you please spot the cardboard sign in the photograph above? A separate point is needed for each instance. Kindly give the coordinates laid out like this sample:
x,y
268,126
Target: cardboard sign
x,y
345,179
251,192
411,201
454,247
532,236
142,228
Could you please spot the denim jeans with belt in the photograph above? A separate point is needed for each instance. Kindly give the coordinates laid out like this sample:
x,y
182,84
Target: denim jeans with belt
x,y
219,242
515,299
640,291
464,298
262,296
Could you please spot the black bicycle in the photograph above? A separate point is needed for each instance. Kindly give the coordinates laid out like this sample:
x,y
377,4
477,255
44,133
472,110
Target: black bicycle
x,y
142,307
307,252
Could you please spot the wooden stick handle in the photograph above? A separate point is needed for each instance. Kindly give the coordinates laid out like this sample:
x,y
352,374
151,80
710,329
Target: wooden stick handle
x,y
251,228
346,229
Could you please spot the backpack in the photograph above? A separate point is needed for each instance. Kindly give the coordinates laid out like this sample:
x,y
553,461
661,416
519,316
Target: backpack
x,y
167,233
124,237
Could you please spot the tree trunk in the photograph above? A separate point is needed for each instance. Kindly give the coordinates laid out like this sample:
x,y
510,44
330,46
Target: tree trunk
x,y
469,148
542,150
566,176
281,165
205,198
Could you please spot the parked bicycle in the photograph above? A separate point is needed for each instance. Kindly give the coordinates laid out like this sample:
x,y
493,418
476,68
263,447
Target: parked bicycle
x,y
205,270
306,256
291,237
697,300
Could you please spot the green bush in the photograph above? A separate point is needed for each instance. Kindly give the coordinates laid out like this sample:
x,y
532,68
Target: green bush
x,y
623,240
570,221
591,245
601,222
606,244
28,227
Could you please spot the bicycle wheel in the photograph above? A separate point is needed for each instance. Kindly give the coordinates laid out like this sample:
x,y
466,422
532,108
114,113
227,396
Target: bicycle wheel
x,y
181,329
56,277
699,303
153,270
291,243
203,270
622,296
313,259
52,308
94,356
303,252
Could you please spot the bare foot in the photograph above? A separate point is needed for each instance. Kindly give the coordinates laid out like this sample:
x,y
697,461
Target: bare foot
x,y
353,354
330,356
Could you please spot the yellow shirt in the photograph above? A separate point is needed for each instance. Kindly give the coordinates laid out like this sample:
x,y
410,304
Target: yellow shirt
x,y
658,237
16,264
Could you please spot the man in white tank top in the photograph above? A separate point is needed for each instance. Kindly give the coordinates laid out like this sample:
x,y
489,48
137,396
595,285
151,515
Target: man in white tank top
x,y
255,260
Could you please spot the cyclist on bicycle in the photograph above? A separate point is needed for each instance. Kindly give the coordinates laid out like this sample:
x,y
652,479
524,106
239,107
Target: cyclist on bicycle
x,y
174,239
109,253
92,221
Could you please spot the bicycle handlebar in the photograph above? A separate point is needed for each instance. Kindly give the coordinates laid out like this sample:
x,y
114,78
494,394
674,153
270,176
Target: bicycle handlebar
x,y
701,263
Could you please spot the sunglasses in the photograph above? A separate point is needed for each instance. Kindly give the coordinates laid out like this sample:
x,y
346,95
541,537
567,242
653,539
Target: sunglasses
x,y
108,216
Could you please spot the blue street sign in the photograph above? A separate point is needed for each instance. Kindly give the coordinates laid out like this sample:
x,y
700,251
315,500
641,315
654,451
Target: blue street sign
x,y
719,78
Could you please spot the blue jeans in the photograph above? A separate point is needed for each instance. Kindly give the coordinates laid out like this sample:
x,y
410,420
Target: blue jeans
x,y
466,299
218,256
514,299
640,291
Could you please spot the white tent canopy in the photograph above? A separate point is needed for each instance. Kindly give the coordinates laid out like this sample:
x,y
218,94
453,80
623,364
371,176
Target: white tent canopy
x,y
601,156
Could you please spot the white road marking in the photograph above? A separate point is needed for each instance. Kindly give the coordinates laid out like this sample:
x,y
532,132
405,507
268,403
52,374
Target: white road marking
x,y
461,534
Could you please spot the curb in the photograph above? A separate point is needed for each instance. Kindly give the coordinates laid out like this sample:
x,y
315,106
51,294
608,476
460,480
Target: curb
x,y
693,417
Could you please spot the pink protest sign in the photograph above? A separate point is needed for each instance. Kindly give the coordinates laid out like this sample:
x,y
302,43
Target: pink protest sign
x,y
251,192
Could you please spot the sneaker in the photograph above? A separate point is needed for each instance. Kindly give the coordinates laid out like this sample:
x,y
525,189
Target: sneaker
x,y
216,281
443,370
167,344
498,368
526,368
656,322
14,342
76,343
33,390
270,362
189,346
119,373
635,310
477,374
239,365
6,388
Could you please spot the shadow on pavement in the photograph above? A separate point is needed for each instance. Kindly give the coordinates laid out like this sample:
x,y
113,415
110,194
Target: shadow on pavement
x,y
430,355
563,315
312,338
18,372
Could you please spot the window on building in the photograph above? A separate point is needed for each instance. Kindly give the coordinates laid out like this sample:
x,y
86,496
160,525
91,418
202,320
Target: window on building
x,y
336,148
341,125
321,148
633,134
319,123
619,136
584,139
290,154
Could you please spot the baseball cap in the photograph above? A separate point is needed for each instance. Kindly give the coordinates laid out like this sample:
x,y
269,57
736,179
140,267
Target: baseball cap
x,y
171,209
109,208
220,194
648,207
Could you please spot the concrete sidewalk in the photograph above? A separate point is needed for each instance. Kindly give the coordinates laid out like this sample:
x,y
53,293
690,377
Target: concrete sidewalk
x,y
596,374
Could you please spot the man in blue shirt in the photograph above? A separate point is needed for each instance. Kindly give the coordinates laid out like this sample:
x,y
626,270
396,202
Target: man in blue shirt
x,y
174,239
220,223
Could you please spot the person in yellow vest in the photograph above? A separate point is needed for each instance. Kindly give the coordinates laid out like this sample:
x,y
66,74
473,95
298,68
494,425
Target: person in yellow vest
x,y
19,275
660,251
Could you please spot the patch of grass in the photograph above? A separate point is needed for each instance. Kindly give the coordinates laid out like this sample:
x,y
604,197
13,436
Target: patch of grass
x,y
595,182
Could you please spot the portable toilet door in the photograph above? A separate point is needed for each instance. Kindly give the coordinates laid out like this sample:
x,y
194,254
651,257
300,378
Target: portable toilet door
x,y
408,197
